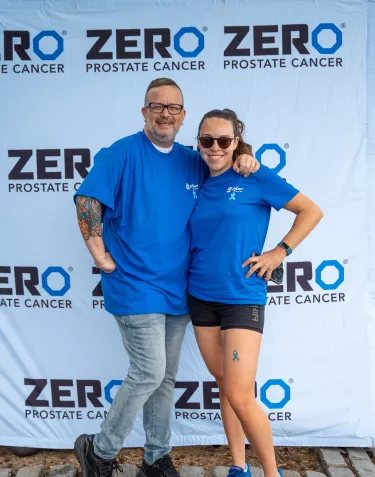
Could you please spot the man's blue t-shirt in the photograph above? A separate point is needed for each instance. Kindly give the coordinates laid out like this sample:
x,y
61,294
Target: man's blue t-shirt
x,y
230,221
148,197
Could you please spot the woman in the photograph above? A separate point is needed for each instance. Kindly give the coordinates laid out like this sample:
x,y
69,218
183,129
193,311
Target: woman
x,y
226,300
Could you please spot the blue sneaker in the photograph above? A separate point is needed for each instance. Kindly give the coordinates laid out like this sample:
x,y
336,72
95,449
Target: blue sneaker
x,y
235,471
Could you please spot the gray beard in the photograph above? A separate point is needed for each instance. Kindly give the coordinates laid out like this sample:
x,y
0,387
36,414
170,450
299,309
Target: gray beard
x,y
163,139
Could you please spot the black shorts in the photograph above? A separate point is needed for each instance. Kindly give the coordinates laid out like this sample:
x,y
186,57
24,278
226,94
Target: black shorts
x,y
211,313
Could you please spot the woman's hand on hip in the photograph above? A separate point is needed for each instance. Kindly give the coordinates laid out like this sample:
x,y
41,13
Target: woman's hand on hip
x,y
263,265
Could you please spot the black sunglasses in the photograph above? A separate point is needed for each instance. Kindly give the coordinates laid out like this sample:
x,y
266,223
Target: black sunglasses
x,y
222,141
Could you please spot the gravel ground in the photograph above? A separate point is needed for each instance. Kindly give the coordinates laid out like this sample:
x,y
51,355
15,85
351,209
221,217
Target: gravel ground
x,y
208,457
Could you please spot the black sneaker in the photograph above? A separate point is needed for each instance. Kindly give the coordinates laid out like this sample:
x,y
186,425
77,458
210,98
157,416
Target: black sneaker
x,y
161,468
91,464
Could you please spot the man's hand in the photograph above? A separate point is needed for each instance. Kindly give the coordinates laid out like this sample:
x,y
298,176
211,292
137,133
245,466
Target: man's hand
x,y
245,165
106,264
267,262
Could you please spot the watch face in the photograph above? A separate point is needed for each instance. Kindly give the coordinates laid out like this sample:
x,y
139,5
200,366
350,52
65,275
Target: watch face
x,y
286,247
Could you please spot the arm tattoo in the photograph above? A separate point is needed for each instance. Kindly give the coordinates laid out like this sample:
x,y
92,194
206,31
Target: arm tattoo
x,y
89,212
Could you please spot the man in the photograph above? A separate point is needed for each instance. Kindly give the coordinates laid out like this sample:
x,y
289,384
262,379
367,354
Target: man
x,y
143,188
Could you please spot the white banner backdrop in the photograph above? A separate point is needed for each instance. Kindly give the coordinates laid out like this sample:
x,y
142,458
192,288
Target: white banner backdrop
x,y
72,80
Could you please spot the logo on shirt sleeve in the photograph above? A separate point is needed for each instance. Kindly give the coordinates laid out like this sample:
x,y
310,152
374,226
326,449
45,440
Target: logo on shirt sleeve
x,y
232,191
194,188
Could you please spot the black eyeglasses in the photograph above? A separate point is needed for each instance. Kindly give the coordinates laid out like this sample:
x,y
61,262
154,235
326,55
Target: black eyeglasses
x,y
223,141
159,108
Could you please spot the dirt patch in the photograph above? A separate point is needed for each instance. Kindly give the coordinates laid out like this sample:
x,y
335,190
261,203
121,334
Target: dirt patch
x,y
208,457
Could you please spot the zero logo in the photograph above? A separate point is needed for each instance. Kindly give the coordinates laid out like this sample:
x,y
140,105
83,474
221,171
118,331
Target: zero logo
x,y
27,278
139,43
275,40
19,42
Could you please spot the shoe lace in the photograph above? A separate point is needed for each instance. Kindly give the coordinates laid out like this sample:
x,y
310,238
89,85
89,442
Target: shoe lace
x,y
168,467
106,468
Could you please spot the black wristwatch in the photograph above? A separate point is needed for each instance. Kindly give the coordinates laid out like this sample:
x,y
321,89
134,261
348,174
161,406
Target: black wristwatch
x,y
286,247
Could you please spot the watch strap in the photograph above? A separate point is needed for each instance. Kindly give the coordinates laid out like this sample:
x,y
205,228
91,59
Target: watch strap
x,y
286,247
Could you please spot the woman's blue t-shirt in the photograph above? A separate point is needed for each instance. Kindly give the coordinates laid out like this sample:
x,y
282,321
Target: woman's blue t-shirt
x,y
229,222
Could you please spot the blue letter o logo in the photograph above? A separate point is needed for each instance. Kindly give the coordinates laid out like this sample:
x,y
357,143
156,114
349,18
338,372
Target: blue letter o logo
x,y
265,388
315,41
65,276
48,56
280,152
108,389
323,266
177,42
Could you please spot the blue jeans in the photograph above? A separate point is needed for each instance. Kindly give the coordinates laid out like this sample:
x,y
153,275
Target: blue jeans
x,y
153,343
